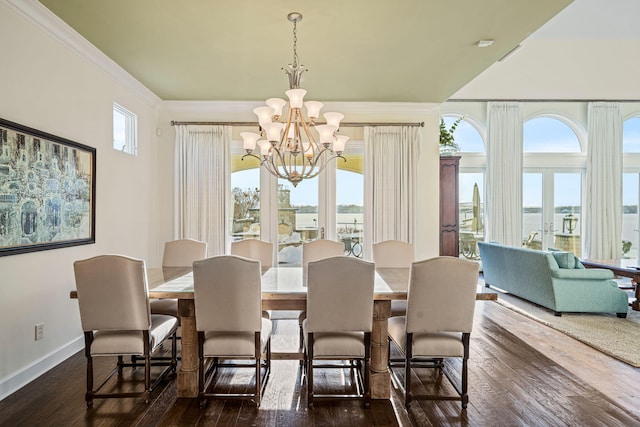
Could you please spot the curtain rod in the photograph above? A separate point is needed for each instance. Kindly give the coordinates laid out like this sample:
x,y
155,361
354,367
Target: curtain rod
x,y
621,101
361,124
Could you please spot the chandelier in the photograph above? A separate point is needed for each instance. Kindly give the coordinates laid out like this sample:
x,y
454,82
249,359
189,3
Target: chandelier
x,y
289,149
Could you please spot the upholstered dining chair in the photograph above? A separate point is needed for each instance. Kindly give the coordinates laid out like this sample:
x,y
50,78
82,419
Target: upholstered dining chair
x,y
258,250
116,320
315,251
394,254
339,320
178,253
439,320
254,249
228,302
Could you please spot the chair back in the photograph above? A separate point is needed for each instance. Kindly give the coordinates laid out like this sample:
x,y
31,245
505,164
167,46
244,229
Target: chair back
x,y
228,295
320,249
182,253
393,254
442,295
112,293
340,295
254,249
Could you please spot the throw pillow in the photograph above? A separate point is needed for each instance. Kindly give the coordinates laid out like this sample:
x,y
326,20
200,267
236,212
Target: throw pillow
x,y
565,259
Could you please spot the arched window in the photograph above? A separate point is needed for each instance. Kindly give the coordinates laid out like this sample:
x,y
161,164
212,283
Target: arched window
x,y
466,135
549,135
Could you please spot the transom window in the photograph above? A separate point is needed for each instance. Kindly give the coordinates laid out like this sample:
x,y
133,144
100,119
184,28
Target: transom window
x,y
631,135
124,130
549,135
466,136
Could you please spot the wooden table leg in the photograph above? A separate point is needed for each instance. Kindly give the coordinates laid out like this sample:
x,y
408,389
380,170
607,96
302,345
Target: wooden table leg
x,y
635,305
188,372
380,379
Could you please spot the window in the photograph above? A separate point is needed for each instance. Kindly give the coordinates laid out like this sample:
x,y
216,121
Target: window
x,y
245,195
466,135
124,130
350,199
549,135
631,135
631,188
552,185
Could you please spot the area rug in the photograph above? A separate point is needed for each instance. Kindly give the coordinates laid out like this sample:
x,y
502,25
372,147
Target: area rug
x,y
619,338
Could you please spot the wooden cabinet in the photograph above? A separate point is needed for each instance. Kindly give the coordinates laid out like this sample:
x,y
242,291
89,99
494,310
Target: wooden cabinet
x,y
449,212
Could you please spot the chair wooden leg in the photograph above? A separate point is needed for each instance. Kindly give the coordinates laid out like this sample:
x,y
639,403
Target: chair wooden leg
x,y
88,397
258,353
147,367
463,390
367,358
201,371
407,369
310,370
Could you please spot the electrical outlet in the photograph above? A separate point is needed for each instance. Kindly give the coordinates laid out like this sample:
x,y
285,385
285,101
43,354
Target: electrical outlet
x,y
39,331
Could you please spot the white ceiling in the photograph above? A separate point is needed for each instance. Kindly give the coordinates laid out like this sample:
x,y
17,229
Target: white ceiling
x,y
589,51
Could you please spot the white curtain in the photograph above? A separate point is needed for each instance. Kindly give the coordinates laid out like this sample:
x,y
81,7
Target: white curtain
x,y
504,173
390,180
202,185
604,182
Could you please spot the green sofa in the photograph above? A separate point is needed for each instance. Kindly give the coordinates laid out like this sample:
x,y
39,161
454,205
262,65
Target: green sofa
x,y
555,280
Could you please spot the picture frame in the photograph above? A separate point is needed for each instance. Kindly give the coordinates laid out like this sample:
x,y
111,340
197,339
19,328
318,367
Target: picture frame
x,y
47,191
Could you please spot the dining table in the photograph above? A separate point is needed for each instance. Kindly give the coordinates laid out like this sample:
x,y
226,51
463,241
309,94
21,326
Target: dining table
x,y
283,288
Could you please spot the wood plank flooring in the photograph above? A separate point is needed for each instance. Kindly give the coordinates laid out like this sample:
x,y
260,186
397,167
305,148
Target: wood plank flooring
x,y
521,373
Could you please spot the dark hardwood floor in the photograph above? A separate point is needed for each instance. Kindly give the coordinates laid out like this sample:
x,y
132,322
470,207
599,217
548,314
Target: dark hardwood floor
x,y
520,372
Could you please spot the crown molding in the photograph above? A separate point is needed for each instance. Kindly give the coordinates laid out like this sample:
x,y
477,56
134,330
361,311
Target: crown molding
x,y
35,12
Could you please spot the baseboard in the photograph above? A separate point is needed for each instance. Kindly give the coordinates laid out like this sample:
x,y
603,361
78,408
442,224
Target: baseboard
x,y
10,385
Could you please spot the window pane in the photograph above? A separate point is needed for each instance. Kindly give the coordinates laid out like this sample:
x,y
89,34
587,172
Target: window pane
x,y
547,135
124,130
245,193
567,211
119,131
350,211
631,135
471,193
630,225
297,218
532,210
466,136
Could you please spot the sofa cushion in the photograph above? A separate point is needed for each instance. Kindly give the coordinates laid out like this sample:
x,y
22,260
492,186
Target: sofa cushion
x,y
564,259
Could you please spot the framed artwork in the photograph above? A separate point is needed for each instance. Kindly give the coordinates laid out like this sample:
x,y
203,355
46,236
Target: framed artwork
x,y
47,191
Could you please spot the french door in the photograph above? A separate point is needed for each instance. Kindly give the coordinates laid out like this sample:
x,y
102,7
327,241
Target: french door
x,y
552,209
329,206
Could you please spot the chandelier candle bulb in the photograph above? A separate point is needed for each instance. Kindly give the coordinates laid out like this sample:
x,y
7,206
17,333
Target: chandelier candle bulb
x,y
296,97
339,143
265,147
277,104
264,115
273,131
334,119
326,133
313,109
250,140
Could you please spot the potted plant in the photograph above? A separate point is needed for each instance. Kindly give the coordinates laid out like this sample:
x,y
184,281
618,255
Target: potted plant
x,y
448,147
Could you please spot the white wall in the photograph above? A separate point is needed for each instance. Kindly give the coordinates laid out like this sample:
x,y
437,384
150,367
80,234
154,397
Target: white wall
x,y
47,86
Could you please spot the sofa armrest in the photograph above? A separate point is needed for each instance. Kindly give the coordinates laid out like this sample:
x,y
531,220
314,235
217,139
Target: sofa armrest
x,y
582,274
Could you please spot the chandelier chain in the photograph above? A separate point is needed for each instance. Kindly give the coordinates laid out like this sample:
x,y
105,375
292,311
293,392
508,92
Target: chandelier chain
x,y
295,44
